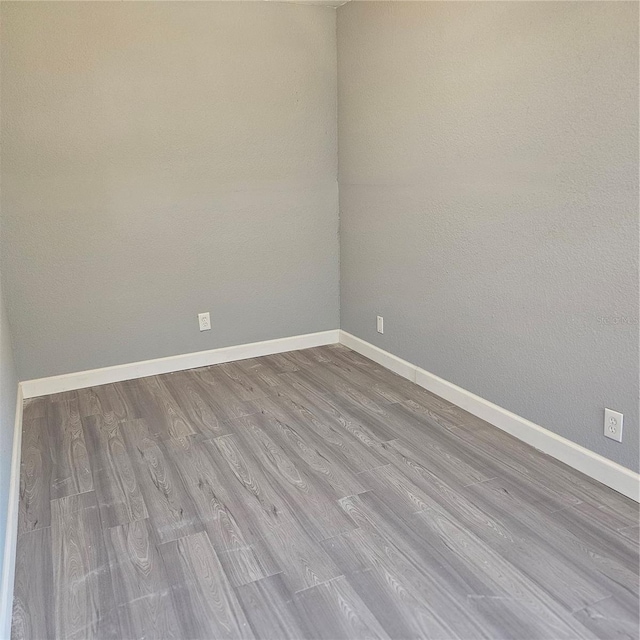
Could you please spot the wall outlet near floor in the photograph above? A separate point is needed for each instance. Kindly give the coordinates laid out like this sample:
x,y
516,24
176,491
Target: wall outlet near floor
x,y
613,425
380,324
204,320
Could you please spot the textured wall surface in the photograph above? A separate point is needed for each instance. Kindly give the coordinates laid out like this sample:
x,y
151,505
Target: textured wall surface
x,y
8,391
163,159
489,201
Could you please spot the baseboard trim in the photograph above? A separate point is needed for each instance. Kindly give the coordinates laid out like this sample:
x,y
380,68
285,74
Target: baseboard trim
x,y
11,534
591,464
130,371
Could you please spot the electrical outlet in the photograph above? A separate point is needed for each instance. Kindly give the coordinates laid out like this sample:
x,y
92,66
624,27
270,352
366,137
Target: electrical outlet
x,y
204,320
380,324
613,425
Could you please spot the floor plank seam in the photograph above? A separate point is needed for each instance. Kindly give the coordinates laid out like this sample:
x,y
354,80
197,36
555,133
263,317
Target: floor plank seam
x,y
474,484
319,584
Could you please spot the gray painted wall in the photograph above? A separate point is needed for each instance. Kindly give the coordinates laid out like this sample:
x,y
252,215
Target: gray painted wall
x,y
489,201
163,159
8,393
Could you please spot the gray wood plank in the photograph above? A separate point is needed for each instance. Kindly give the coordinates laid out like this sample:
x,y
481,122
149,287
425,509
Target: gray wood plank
x,y
348,383
226,398
386,586
208,481
116,486
34,408
168,504
370,379
245,383
333,611
231,529
84,604
396,549
253,488
391,386
158,407
370,427
145,609
353,446
303,562
516,603
90,402
436,458
632,533
498,598
33,594
368,416
110,401
551,570
71,469
609,620
34,510
282,363
258,369
395,488
380,570
575,572
244,565
199,404
397,610
309,498
583,527
419,426
267,604
205,602
118,402
609,516
315,354
310,452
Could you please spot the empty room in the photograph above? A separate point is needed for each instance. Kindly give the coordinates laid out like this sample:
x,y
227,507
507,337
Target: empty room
x,y
319,320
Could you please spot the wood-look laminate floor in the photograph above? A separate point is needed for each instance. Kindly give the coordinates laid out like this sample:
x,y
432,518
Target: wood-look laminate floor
x,y
311,494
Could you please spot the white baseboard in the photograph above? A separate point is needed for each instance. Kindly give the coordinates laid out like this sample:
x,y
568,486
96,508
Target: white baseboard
x,y
11,533
130,371
591,464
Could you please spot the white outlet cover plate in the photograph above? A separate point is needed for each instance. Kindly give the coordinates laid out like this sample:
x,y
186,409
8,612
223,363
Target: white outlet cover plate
x,y
204,321
613,425
380,324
